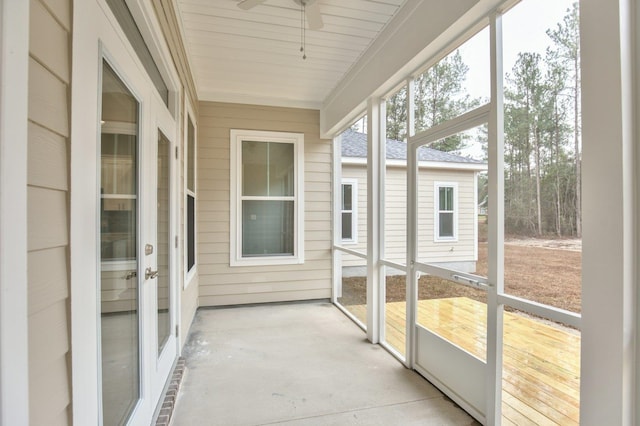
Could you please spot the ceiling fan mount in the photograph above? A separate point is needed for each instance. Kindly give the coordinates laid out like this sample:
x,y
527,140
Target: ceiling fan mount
x,y
304,2
311,9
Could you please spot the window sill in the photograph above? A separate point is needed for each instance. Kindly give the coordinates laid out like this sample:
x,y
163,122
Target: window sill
x,y
266,261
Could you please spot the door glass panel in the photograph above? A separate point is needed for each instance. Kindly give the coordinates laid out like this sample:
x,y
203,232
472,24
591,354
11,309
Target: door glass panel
x,y
163,293
118,254
452,236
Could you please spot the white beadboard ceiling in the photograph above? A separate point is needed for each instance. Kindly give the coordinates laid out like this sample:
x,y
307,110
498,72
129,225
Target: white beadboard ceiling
x,y
253,56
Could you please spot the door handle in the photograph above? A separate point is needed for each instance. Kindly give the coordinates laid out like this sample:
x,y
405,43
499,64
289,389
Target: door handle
x,y
130,275
149,274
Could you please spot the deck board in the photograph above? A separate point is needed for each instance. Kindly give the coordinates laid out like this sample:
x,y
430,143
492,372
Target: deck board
x,y
541,374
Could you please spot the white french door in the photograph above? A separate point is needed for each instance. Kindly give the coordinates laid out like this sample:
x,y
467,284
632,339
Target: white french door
x,y
137,320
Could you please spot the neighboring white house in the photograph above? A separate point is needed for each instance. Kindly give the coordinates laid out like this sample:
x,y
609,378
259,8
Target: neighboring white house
x,y
448,230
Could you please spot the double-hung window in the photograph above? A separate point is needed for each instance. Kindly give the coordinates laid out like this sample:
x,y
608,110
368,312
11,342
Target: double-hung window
x,y
267,204
445,198
349,210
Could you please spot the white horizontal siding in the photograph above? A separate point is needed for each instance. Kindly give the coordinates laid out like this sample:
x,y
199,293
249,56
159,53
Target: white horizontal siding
x,y
220,284
462,250
48,212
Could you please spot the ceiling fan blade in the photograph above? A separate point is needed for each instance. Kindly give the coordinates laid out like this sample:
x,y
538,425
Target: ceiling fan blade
x,y
314,17
249,4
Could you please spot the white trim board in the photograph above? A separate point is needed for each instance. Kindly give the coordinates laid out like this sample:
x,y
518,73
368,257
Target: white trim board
x,y
248,99
14,355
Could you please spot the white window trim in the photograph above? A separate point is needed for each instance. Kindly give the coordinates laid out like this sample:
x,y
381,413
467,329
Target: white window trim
x,y
436,211
189,274
235,237
354,211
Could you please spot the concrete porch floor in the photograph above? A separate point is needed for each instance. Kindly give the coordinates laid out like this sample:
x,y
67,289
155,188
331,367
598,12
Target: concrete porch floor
x,y
299,364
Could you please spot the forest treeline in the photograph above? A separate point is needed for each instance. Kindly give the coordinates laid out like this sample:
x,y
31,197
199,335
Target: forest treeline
x,y
542,129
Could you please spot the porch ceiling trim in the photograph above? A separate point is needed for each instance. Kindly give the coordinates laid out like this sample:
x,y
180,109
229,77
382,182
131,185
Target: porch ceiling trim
x,y
246,98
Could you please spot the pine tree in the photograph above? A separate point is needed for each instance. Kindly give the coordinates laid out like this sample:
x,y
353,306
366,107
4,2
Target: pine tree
x,y
555,80
566,53
397,115
525,132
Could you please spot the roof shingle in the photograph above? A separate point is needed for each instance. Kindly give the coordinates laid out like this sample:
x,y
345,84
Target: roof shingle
x,y
354,145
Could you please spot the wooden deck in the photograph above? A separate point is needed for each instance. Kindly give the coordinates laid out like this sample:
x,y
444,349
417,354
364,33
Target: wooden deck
x,y
541,374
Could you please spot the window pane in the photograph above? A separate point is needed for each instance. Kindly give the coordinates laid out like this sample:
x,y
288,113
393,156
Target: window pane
x,y
446,225
191,156
254,168
191,228
267,169
118,229
281,173
268,228
346,197
118,157
446,198
131,30
347,229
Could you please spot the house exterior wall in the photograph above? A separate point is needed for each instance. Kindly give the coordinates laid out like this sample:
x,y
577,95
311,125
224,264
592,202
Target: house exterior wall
x,y
221,284
48,212
464,253
169,23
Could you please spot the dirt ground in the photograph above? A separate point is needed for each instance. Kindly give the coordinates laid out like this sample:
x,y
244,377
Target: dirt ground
x,y
546,271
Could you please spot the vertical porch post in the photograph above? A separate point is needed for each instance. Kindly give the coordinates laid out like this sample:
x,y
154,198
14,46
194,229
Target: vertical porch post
x,y
496,228
411,247
337,219
609,256
373,220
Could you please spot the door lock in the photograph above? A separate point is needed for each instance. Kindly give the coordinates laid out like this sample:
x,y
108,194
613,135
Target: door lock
x,y
149,274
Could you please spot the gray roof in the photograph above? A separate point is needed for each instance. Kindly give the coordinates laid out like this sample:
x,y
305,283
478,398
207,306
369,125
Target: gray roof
x,y
354,145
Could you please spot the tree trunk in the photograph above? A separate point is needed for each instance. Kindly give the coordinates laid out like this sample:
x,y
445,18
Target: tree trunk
x,y
538,197
576,141
557,166
556,138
